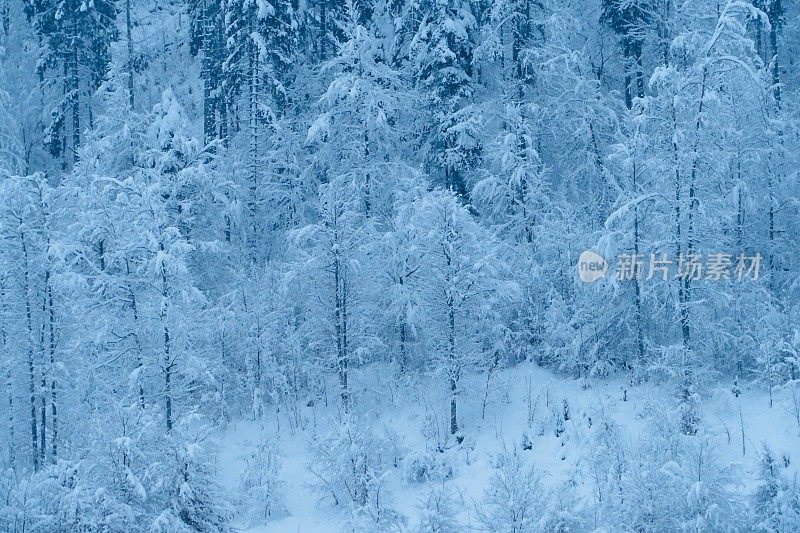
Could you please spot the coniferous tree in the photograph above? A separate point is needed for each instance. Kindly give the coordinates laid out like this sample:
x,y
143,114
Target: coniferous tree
x,y
443,70
76,37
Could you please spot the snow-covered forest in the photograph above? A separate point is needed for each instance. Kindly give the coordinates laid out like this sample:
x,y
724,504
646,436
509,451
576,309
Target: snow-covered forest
x,y
313,265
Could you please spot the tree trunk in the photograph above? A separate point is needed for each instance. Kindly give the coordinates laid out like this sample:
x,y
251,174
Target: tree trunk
x,y
76,98
31,372
339,323
44,372
208,75
345,347
774,71
323,29
254,149
367,178
453,407
683,310
167,349
403,349
690,240
626,55
639,72
9,382
451,338
776,92
130,52
637,287
53,383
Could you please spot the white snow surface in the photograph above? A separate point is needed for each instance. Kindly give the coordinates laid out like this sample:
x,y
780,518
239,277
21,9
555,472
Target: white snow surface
x,y
502,429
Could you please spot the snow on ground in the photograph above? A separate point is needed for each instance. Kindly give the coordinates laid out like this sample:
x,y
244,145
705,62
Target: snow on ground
x,y
504,426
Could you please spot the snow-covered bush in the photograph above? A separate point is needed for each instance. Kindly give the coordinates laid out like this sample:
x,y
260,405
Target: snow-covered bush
x,y
261,486
776,500
438,511
605,461
515,500
427,466
378,513
564,511
8,505
349,463
62,497
668,481
190,498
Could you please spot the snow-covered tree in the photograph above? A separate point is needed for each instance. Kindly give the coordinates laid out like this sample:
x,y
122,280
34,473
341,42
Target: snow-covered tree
x,y
77,36
261,486
442,51
515,499
464,278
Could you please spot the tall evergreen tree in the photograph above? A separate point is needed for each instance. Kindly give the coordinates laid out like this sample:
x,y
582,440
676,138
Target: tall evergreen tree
x,y
76,36
443,70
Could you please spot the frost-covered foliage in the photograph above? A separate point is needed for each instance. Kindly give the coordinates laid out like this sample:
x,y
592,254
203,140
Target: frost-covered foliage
x,y
515,499
192,499
138,482
776,501
665,481
293,212
261,486
427,466
351,465
439,511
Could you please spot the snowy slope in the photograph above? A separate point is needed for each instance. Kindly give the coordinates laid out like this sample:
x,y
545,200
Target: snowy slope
x,y
503,429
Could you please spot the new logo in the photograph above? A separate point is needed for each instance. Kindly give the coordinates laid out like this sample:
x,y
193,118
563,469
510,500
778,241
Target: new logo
x,y
591,266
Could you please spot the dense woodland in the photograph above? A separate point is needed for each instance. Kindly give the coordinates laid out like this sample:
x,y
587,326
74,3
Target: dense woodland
x,y
220,210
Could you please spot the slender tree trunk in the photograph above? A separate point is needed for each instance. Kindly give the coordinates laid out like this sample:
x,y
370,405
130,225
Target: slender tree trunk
x,y
9,382
76,97
339,325
489,373
128,27
345,324
258,353
774,70
53,383
323,29
453,407
771,216
769,377
208,75
739,205
771,180
136,338
683,310
451,355
637,287
403,348
741,427
44,372
626,56
255,87
690,238
222,106
168,364
639,72
367,178
31,372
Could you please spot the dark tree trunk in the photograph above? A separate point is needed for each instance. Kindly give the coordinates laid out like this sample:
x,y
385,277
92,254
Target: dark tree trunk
x,y
168,364
31,371
128,26
9,382
53,383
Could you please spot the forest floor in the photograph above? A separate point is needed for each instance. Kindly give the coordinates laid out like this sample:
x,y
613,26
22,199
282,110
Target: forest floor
x,y
417,413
